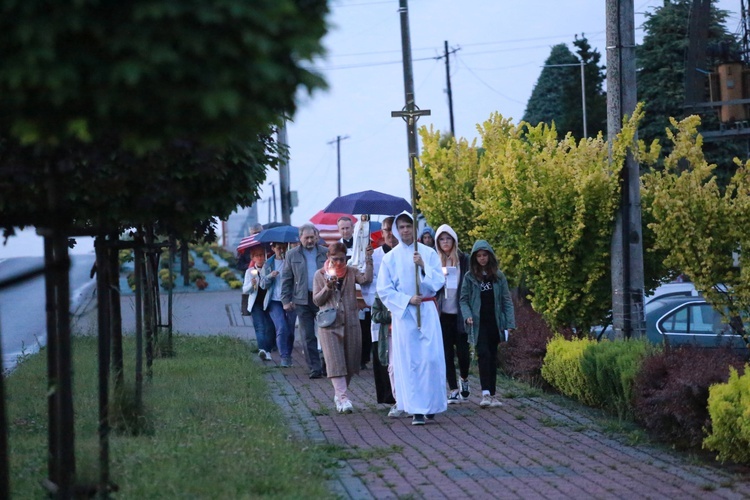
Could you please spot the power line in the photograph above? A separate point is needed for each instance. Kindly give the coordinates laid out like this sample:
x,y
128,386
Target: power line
x,y
460,60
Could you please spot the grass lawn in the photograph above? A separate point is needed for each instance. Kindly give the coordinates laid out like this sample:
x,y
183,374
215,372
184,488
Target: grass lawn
x,y
212,429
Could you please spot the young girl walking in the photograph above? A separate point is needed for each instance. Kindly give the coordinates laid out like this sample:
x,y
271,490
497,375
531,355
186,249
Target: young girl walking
x,y
488,311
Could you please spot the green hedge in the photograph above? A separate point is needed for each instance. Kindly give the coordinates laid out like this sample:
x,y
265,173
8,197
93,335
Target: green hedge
x,y
562,368
609,369
729,407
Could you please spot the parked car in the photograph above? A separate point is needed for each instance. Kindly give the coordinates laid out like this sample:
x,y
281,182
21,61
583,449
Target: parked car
x,y
676,320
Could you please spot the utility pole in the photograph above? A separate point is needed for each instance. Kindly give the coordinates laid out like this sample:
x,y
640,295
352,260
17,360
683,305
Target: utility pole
x,y
448,82
410,113
286,202
273,191
583,89
627,241
338,140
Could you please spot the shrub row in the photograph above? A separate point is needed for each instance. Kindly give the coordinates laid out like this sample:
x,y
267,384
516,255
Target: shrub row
x,y
664,390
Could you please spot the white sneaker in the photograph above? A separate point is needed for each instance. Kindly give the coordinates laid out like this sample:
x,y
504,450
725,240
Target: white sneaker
x,y
346,406
486,401
264,355
494,402
453,398
465,388
395,412
337,402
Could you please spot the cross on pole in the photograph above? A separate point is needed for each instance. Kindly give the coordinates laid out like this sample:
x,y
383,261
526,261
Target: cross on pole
x,y
411,113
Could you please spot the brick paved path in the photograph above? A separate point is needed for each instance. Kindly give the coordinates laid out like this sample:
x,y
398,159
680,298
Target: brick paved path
x,y
530,448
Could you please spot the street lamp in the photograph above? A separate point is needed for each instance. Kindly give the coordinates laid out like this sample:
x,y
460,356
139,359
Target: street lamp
x,y
583,89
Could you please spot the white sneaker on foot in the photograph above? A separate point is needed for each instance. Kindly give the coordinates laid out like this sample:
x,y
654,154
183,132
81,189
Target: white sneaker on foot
x,y
346,406
453,397
486,401
494,402
263,354
395,412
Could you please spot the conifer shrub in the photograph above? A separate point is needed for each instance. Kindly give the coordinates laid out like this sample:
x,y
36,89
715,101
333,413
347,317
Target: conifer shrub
x,y
562,368
729,409
610,367
670,393
194,274
221,269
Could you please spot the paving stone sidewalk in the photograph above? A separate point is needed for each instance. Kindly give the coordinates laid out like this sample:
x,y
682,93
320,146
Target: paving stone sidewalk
x,y
532,447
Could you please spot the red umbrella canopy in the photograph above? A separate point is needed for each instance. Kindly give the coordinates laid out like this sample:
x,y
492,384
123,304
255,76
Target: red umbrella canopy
x,y
326,224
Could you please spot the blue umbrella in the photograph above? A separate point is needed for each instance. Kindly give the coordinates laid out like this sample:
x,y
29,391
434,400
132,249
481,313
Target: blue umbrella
x,y
279,234
369,202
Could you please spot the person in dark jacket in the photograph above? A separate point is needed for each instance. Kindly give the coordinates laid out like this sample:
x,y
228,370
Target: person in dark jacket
x,y
427,237
488,308
455,339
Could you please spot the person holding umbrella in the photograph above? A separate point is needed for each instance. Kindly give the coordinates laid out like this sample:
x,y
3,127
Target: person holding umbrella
x,y
282,319
334,288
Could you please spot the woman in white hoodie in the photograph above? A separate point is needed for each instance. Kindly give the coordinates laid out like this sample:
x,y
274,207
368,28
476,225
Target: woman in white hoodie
x,y
455,339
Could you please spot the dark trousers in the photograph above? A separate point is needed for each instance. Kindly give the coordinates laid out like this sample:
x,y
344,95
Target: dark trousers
x,y
455,344
487,342
383,392
243,305
365,325
306,314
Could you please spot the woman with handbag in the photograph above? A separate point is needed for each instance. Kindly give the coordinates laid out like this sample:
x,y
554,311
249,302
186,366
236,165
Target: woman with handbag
x,y
339,330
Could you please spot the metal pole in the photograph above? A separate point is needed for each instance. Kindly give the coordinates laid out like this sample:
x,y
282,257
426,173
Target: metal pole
x,y
627,248
338,163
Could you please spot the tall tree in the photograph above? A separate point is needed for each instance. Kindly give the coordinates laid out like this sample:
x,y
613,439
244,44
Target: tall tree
x,y
557,94
547,101
661,78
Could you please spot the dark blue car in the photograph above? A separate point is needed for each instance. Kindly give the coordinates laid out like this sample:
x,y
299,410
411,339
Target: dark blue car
x,y
688,320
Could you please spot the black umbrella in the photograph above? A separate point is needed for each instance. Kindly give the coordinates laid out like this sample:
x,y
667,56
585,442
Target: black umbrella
x,y
369,202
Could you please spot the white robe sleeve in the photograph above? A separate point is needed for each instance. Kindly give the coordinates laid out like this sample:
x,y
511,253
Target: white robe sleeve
x,y
397,302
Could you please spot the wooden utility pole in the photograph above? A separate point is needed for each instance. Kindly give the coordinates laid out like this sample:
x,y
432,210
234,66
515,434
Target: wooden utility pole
x,y
410,113
627,242
338,140
286,202
448,83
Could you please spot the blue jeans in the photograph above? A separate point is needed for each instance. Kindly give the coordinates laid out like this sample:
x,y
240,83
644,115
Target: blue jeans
x,y
265,331
307,314
284,323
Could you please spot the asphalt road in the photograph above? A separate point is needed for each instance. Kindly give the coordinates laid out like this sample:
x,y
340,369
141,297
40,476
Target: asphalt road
x,y
22,306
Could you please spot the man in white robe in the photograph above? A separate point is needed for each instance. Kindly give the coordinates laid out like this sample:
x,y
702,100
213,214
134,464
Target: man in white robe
x,y
419,367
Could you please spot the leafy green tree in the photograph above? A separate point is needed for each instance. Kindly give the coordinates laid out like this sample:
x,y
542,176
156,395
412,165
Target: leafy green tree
x,y
448,177
699,224
661,78
118,112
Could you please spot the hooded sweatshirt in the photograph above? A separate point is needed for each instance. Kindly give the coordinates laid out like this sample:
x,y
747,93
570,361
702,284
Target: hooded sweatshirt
x,y
427,229
471,299
448,299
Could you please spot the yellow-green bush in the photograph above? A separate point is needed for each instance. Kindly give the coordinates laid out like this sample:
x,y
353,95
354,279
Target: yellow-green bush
x,y
220,270
562,368
212,264
228,275
729,408
235,284
609,369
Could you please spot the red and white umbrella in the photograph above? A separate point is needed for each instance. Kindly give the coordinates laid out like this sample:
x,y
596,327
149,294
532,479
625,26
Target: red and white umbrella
x,y
326,224
247,242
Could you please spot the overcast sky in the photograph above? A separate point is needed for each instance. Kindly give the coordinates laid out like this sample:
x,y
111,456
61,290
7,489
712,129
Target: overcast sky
x,y
501,48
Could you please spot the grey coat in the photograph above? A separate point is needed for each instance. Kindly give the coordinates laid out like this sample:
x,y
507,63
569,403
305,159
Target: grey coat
x,y
471,301
294,277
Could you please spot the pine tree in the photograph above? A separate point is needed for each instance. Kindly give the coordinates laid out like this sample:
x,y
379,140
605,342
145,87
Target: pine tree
x,y
557,94
547,101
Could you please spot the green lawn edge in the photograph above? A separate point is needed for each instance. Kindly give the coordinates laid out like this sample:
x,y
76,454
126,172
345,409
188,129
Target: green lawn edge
x,y
213,430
